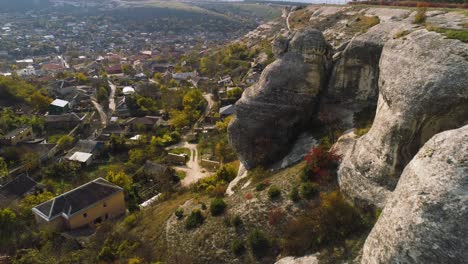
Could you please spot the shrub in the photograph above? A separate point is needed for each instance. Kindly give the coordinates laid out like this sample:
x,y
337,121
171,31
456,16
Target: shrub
x,y
259,243
331,221
275,216
238,247
260,187
218,191
203,206
130,220
237,221
362,131
248,196
320,163
217,206
294,194
259,174
420,16
179,213
401,34
309,190
194,220
274,192
226,173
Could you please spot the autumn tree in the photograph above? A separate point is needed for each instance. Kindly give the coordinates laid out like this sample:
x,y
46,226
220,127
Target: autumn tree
x,y
120,178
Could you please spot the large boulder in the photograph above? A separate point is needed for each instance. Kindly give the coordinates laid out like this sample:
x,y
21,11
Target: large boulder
x,y
424,220
271,113
423,90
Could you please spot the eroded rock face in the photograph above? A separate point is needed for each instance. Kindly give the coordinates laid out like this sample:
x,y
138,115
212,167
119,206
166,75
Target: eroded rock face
x,y
423,90
270,113
424,220
355,74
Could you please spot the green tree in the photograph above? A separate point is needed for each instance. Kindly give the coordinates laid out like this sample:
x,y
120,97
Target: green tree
x,y
193,100
31,161
136,156
121,179
222,126
102,94
30,201
3,168
158,77
224,151
65,142
128,70
226,173
208,66
39,101
8,224
235,93
116,142
81,78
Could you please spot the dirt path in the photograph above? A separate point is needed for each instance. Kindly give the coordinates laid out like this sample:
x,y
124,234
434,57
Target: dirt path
x,y
101,111
112,97
194,172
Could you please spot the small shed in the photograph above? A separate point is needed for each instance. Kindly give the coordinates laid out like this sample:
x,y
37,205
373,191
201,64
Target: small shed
x,y
81,157
59,106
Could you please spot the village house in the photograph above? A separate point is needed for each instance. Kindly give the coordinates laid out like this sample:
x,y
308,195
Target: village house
x,y
87,205
64,121
177,159
114,69
17,135
162,178
184,76
225,81
146,123
16,189
63,87
85,151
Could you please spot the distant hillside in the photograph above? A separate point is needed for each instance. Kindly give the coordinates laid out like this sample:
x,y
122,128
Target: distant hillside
x,y
19,5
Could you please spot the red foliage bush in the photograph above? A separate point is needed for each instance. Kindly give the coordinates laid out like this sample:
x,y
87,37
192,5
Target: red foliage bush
x,y
275,217
248,196
320,163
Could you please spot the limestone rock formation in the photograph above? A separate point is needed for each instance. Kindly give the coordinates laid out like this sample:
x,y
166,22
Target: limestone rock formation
x,y
355,74
423,90
270,113
424,220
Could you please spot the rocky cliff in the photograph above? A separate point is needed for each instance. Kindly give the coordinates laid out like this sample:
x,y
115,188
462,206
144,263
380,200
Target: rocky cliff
x,y
424,220
405,163
423,90
271,113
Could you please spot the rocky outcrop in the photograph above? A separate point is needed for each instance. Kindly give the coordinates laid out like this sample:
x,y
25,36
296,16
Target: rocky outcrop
x,y
270,113
423,90
355,74
424,221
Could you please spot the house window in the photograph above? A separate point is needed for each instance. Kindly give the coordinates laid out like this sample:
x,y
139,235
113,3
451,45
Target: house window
x,y
85,215
105,204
